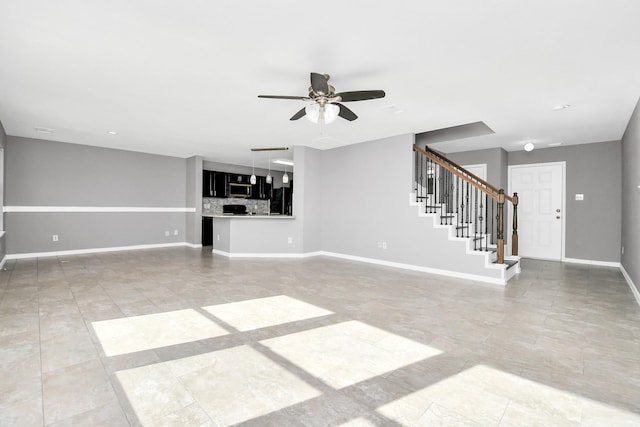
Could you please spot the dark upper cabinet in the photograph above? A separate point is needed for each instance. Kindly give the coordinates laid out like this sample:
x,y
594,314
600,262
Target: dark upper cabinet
x,y
223,184
220,186
261,190
207,184
214,184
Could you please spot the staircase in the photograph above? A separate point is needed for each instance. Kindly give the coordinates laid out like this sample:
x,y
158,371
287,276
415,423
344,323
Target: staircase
x,y
470,208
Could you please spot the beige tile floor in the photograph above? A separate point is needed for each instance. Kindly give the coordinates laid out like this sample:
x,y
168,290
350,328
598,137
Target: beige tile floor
x,y
179,337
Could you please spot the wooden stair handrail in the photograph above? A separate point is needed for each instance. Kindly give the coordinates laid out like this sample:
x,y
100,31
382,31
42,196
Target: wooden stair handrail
x,y
496,194
465,175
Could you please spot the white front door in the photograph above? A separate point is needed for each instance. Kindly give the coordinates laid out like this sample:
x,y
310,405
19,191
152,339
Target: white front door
x,y
540,188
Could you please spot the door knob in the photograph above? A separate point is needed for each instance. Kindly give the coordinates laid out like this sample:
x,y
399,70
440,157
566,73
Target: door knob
x,y
558,217
558,210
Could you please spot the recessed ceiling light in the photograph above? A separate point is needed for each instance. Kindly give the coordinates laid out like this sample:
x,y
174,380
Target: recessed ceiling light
x,y
283,162
40,129
529,146
561,107
112,132
394,109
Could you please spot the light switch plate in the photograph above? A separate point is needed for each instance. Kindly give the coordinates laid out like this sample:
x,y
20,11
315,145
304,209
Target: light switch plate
x,y
579,196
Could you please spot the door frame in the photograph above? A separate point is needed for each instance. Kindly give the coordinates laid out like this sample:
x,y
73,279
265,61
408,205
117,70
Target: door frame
x,y
563,197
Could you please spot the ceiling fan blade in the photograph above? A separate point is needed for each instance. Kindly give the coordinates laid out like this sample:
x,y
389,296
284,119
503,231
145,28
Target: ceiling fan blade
x,y
299,98
319,84
346,113
297,115
360,95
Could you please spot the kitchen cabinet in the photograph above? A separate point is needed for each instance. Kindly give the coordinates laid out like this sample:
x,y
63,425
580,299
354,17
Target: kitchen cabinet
x,y
261,190
214,184
207,183
220,186
207,231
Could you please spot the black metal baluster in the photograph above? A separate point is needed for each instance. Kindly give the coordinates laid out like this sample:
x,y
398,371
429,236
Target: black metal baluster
x,y
475,218
458,223
486,222
493,229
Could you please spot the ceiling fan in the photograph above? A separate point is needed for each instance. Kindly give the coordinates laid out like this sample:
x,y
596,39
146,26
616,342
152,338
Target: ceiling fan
x,y
327,105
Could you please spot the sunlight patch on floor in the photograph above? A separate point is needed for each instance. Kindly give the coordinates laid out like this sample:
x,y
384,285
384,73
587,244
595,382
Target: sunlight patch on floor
x,y
348,352
139,333
483,394
263,312
231,386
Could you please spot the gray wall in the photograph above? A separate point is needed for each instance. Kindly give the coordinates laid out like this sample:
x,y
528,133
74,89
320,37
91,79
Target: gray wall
x,y
365,200
48,173
309,201
194,199
631,197
593,225
3,144
495,159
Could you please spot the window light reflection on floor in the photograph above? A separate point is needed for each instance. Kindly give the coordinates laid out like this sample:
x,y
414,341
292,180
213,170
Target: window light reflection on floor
x,y
487,395
230,386
263,312
139,333
349,352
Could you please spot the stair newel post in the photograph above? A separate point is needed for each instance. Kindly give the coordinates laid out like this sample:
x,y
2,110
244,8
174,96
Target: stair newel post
x,y
514,236
500,248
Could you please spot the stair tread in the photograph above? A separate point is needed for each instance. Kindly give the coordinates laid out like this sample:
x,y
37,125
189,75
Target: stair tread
x,y
510,262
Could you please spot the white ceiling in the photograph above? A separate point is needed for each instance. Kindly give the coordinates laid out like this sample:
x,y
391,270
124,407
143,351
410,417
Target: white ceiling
x,y
182,78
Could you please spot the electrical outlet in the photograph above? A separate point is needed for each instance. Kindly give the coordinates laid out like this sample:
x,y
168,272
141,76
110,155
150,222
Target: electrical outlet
x,y
218,237
175,232
623,250
384,245
290,240
55,237
166,233
379,245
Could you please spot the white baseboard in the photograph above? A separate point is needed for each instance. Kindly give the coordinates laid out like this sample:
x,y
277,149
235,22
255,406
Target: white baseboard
x,y
265,255
477,278
98,250
193,245
448,273
634,288
591,262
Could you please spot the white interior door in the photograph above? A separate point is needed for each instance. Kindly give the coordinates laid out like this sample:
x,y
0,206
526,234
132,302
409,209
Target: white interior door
x,y
479,170
540,188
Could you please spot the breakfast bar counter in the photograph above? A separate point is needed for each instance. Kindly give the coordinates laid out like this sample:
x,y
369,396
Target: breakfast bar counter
x,y
256,235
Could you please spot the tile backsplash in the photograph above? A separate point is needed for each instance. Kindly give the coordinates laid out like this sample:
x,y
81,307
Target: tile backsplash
x,y
213,205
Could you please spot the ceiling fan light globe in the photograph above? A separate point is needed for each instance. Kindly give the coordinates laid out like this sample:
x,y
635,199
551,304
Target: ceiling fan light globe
x,y
312,112
331,113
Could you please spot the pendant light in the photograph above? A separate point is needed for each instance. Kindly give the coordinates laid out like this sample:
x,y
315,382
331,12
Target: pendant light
x,y
285,177
252,180
269,178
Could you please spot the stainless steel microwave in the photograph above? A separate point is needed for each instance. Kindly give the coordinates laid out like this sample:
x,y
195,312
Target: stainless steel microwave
x,y
239,190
